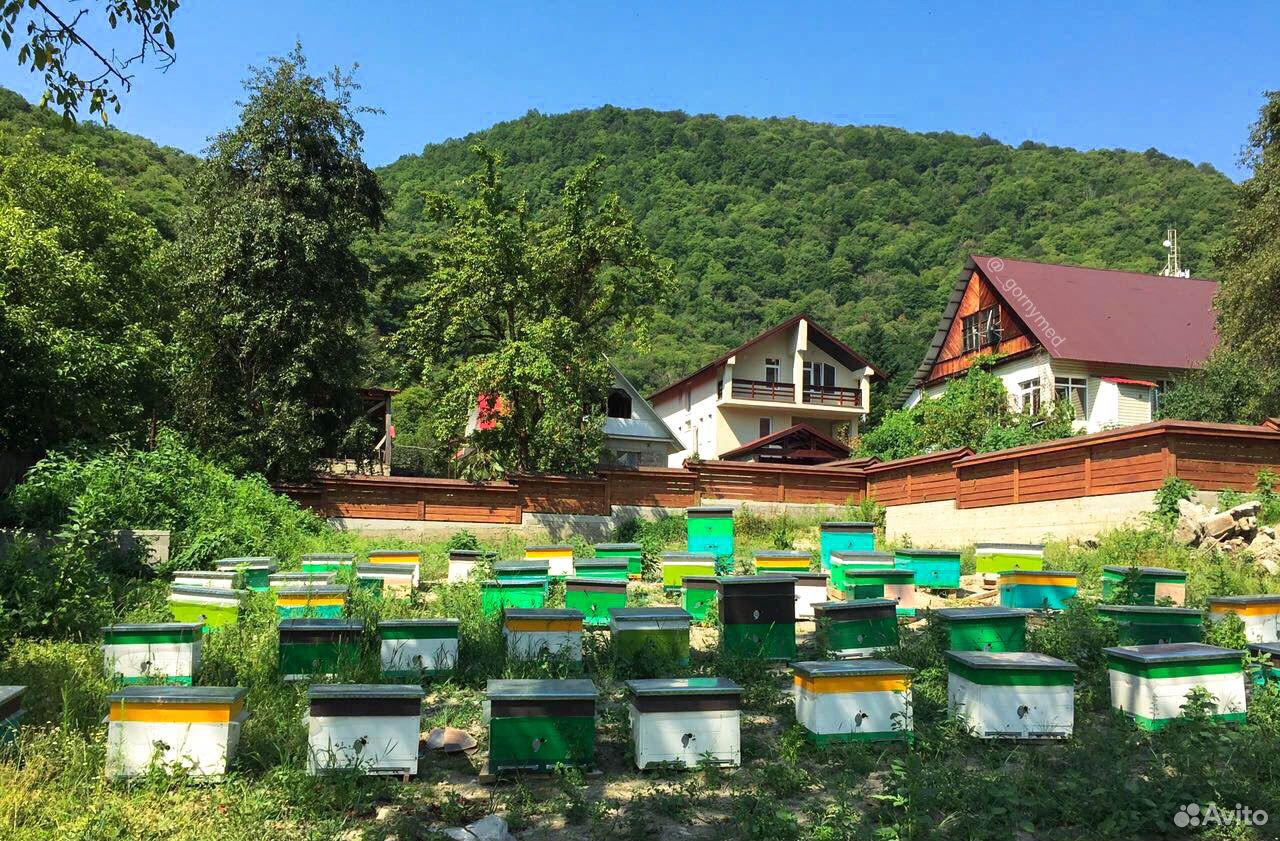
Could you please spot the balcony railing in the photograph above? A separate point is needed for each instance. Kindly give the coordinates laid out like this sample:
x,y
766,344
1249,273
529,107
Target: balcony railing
x,y
833,395
760,390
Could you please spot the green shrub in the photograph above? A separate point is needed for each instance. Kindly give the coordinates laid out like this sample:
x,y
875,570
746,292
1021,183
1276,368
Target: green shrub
x,y
1172,490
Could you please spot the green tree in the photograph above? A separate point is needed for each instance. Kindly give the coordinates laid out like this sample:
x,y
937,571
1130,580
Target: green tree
x,y
273,294
1226,390
524,311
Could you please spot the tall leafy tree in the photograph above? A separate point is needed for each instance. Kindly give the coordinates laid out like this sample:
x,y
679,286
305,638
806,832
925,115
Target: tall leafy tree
x,y
273,295
522,311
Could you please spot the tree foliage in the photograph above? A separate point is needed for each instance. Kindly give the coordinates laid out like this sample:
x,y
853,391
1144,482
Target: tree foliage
x,y
523,310
273,295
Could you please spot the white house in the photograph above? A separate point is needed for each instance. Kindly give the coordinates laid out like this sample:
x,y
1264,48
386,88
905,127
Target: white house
x,y
634,434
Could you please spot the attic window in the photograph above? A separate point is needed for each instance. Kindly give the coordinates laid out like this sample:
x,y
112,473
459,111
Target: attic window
x,y
619,405
981,329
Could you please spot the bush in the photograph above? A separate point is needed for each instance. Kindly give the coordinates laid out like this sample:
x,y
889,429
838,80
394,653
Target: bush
x,y
1172,490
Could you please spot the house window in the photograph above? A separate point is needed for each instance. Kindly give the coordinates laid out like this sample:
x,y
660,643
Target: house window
x,y
819,375
981,329
619,405
1075,389
766,427
772,370
626,458
1029,396
1157,393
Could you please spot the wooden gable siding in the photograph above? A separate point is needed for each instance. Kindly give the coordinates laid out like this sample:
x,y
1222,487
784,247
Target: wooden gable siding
x,y
979,295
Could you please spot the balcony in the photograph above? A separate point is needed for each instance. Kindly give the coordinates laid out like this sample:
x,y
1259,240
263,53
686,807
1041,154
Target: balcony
x,y
833,395
761,390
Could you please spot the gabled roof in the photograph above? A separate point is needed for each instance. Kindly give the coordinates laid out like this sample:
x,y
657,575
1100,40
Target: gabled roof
x,y
649,426
818,334
820,440
1093,315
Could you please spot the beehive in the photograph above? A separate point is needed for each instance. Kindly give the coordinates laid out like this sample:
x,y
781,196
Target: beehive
x,y
223,579
650,635
11,713
594,596
1260,615
526,569
255,570
774,560
462,563
895,584
538,724
369,726
397,580
1037,589
677,565
998,557
811,588
324,601
512,592
299,579
319,647
558,558
211,607
1153,584
710,531
699,594
935,569
327,562
984,628
532,633
758,616
601,568
1270,651
845,537
413,648
196,728
167,652
1150,625
686,721
1150,683
856,628
1011,694
853,700
399,557
633,552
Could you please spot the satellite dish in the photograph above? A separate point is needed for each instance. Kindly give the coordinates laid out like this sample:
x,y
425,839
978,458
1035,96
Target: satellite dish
x,y
1167,243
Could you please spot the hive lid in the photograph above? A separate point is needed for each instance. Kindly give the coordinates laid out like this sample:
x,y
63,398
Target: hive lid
x,y
1008,547
527,581
1271,649
316,590
9,693
780,553
854,605
1259,599
543,547
838,668
328,556
228,574
541,613
767,578
1174,652
1146,570
1052,573
356,691
300,576
313,624
887,557
709,511
419,623
396,553
256,562
461,554
588,563
207,592
710,580
930,553
609,583
846,525
684,686
151,627
141,694
978,614
619,547
541,690
876,572
393,569
650,613
1155,610
809,577
1011,660
688,556
521,566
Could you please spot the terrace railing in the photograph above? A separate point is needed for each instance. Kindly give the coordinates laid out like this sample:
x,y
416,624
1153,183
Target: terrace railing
x,y
761,390
833,395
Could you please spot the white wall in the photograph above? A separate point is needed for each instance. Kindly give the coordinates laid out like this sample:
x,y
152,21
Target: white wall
x,y
694,427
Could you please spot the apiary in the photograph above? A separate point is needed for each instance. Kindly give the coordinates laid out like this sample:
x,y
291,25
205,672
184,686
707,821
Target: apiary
x,y
399,557
845,537
396,581
710,531
528,568
255,570
1152,585
601,568
558,558
1260,615
207,605
319,647
1150,683
166,652
462,564
895,584
856,628
686,721
633,552
325,601
538,724
935,569
984,628
532,633
299,579
1149,625
758,616
651,635
372,727
772,560
811,588
495,596
853,700
226,579
11,713
1037,589
1011,694
699,594
414,648
327,562
677,565
594,596
998,557
196,728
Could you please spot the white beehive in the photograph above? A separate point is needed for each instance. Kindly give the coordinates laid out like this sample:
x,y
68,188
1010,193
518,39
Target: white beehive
x,y
853,700
196,728
415,647
811,589
1011,694
686,721
531,633
372,727
462,562
1151,683
167,652
1260,615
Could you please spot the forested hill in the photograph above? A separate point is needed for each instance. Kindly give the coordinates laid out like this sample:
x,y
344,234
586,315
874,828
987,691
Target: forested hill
x,y
863,227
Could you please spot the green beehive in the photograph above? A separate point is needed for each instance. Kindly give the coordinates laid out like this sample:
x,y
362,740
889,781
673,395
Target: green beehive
x,y
323,601
1269,672
11,713
676,566
937,569
1037,589
779,561
319,647
1150,625
897,585
594,597
650,636
758,616
614,568
539,724
699,594
845,537
1150,585
208,605
856,628
512,592
842,561
255,570
998,557
509,570
984,628
711,532
327,562
414,648
633,552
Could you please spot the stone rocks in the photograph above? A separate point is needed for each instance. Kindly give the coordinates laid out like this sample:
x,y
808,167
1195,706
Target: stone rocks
x,y
1219,525
1233,530
489,828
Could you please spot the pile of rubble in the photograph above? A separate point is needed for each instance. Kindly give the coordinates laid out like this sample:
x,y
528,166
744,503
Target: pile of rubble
x,y
1233,530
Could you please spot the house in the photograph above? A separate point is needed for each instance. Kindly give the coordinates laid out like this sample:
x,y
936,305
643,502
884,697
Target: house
x,y
634,434
1108,341
789,394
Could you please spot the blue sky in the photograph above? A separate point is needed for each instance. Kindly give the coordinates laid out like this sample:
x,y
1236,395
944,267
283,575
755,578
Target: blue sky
x,y
1170,75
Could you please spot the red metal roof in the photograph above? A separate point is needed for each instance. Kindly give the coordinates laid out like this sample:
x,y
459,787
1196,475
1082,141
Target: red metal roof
x,y
1127,381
